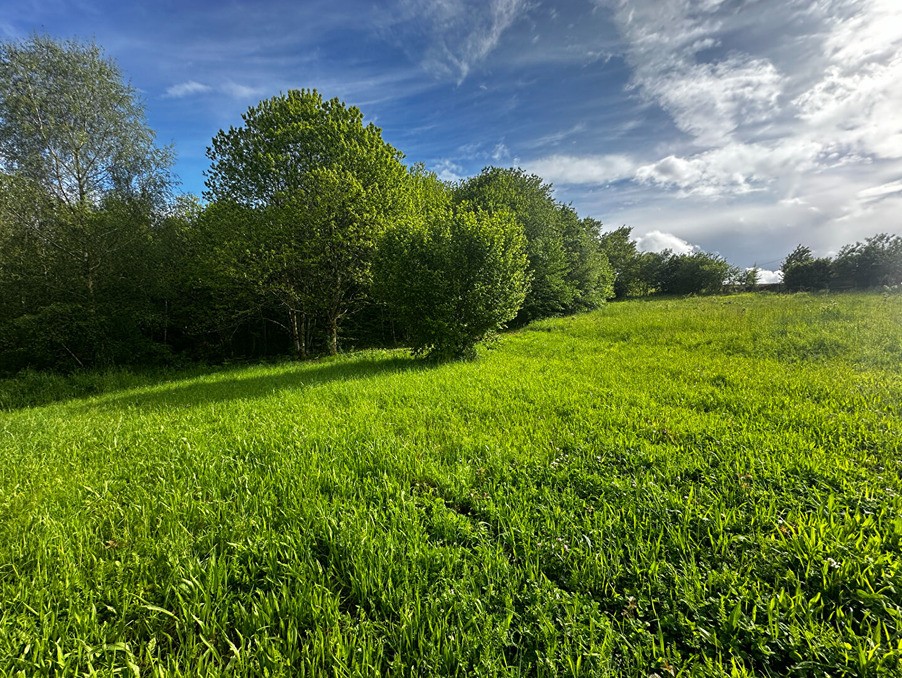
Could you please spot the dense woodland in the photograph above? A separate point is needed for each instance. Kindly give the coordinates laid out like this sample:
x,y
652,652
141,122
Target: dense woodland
x,y
312,236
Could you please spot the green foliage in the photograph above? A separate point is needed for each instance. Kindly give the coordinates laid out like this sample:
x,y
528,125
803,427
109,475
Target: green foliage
x,y
589,270
326,185
454,279
876,262
696,273
803,272
567,269
698,487
77,288
625,260
81,186
747,279
71,125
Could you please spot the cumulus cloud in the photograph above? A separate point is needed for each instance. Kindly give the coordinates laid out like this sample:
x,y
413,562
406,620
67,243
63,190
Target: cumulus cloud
x,y
766,277
734,168
657,241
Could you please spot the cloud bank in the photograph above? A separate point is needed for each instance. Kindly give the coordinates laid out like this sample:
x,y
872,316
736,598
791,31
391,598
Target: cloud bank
x,y
785,117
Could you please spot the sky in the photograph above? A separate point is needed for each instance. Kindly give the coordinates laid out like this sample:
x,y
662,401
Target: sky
x,y
739,127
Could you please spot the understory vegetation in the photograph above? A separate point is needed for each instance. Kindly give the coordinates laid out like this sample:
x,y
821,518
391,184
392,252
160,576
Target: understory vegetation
x,y
707,487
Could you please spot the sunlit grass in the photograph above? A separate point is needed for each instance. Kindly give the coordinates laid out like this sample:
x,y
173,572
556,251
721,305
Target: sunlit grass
x,y
703,486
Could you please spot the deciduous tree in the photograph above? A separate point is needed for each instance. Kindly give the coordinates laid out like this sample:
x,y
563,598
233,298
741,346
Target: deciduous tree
x,y
83,184
327,183
453,275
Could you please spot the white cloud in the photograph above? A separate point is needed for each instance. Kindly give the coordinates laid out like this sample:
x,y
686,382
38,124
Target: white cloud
x,y
500,152
787,120
707,99
447,170
732,169
766,277
657,241
856,98
878,192
452,36
188,88
237,91
231,89
568,169
557,137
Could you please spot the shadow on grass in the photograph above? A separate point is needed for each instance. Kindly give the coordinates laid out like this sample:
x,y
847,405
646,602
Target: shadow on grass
x,y
237,385
35,388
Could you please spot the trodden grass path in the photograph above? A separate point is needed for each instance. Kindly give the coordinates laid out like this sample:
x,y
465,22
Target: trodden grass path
x,y
701,487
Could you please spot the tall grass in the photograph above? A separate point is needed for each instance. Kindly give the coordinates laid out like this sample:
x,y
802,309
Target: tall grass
x,y
705,487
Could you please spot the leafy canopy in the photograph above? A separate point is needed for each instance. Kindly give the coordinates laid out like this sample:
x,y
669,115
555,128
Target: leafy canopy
x,y
328,184
454,275
71,124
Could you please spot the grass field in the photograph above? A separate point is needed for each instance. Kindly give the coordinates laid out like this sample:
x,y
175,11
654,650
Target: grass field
x,y
706,487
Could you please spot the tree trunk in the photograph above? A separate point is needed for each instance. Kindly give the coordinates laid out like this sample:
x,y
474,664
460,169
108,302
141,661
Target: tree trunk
x,y
333,335
297,333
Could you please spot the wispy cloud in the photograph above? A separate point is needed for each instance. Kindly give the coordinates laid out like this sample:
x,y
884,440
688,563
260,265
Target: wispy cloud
x,y
555,138
708,98
229,89
237,91
184,89
568,169
449,37
880,192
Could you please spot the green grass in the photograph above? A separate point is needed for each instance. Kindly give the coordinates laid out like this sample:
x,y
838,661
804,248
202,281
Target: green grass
x,y
699,487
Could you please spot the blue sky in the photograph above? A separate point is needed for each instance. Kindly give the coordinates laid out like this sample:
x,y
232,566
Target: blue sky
x,y
743,128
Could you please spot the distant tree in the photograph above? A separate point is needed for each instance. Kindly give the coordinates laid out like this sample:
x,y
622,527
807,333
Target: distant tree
x,y
620,250
803,272
695,273
567,269
326,183
748,278
875,262
455,278
589,270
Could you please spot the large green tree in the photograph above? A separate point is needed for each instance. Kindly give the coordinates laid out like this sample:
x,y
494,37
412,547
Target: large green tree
x,y
326,185
83,183
71,124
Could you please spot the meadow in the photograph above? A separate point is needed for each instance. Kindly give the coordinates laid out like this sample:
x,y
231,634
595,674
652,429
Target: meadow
x,y
689,487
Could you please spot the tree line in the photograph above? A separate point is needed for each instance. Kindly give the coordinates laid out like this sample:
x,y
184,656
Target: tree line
x,y
874,263
312,235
